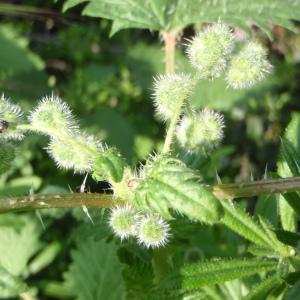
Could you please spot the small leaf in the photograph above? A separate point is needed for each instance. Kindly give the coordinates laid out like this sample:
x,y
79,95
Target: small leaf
x,y
239,221
109,165
288,165
291,156
197,275
170,184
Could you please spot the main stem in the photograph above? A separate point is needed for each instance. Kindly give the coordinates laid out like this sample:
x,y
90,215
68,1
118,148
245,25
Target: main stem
x,y
221,191
169,38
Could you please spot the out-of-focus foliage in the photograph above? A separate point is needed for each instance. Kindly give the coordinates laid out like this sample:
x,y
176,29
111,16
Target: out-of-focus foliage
x,y
107,82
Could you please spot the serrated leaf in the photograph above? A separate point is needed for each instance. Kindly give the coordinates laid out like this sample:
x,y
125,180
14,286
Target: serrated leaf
x,y
197,275
174,14
18,244
262,251
109,165
260,291
10,286
272,237
95,272
170,184
239,221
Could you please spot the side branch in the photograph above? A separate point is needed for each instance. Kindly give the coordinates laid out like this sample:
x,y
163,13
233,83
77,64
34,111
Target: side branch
x,y
221,191
256,188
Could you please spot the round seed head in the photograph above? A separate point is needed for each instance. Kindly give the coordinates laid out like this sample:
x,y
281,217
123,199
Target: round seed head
x,y
170,91
208,51
52,115
153,231
201,132
74,153
248,67
10,116
123,221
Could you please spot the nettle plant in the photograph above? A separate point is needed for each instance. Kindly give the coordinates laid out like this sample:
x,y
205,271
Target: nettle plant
x,y
146,199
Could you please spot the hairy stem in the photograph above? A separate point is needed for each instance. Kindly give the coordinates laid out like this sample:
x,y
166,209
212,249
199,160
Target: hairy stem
x,y
169,38
171,128
221,191
57,200
256,188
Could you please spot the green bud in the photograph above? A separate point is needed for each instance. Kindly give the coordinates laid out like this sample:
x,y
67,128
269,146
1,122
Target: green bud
x,y
74,153
208,51
170,91
153,231
7,155
200,132
52,116
109,165
10,117
125,188
123,221
248,67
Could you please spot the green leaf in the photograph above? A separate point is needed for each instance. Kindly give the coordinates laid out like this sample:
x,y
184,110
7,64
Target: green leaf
x,y
239,221
217,271
174,14
272,237
169,184
291,156
109,165
18,243
260,291
10,286
95,272
288,165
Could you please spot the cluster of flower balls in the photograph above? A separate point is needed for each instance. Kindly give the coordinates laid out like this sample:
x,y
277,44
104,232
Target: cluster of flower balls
x,y
150,230
211,53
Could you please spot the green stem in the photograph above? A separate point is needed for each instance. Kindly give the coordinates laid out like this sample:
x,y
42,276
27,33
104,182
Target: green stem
x,y
174,120
256,188
221,191
171,129
63,137
169,38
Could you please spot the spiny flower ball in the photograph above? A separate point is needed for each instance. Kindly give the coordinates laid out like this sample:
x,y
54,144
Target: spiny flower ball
x,y
248,67
170,91
75,153
53,116
208,51
123,221
153,231
200,132
10,116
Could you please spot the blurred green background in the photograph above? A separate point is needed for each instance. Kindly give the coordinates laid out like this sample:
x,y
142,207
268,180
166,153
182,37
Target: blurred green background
x,y
107,82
